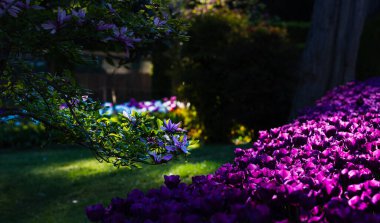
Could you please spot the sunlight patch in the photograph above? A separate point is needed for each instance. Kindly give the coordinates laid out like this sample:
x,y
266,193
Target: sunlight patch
x,y
193,169
85,167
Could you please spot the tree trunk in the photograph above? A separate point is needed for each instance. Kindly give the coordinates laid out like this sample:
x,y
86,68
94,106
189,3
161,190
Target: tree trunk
x,y
329,58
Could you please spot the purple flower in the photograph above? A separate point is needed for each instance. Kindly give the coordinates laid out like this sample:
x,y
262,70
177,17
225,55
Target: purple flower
x,y
171,127
159,158
95,212
172,181
158,22
73,102
9,6
178,145
376,199
54,26
123,36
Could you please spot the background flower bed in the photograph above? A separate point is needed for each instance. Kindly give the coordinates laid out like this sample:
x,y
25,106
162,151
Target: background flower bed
x,y
323,167
19,132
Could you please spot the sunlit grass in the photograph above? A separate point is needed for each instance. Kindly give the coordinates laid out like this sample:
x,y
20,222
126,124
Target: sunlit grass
x,y
75,169
56,184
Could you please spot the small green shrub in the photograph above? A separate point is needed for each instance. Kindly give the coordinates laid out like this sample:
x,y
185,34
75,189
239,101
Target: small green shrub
x,y
24,133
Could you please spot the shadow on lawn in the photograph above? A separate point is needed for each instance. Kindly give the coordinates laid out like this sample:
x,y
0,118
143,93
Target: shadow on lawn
x,y
55,185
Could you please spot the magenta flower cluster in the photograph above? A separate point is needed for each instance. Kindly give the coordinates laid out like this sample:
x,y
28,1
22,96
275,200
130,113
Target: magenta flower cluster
x,y
323,167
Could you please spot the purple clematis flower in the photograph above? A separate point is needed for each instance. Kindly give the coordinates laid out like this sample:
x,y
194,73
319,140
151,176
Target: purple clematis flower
x,y
54,26
159,158
171,127
158,22
9,6
74,102
123,36
178,145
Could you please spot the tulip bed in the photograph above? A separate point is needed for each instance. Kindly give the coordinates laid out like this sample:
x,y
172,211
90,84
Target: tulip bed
x,y
323,167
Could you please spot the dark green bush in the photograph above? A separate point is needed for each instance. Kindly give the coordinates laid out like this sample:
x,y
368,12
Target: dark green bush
x,y
236,73
23,133
368,64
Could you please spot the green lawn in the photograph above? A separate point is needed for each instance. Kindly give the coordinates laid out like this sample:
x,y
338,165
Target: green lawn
x,y
56,184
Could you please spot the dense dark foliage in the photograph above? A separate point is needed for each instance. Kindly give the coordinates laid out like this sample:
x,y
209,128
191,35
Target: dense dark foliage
x,y
323,167
237,73
368,58
290,9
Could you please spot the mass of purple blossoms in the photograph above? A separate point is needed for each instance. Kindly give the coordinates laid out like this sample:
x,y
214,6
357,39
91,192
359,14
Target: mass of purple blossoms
x,y
323,167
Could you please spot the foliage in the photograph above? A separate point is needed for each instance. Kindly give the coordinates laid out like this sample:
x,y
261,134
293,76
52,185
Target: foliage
x,y
63,34
323,167
18,132
290,10
368,56
237,73
241,135
130,139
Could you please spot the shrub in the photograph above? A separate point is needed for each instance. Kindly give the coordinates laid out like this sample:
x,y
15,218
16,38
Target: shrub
x,y
17,132
368,55
323,167
237,73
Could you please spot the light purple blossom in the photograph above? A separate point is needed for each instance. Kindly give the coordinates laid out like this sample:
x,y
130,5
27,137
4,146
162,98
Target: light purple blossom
x,y
158,22
9,6
178,145
123,36
54,26
160,158
171,127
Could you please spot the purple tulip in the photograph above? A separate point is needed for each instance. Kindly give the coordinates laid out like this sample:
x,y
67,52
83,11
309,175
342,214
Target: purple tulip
x,y
95,212
172,181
